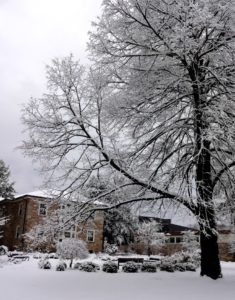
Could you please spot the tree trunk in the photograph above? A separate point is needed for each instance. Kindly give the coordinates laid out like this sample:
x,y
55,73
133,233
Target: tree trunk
x,y
210,263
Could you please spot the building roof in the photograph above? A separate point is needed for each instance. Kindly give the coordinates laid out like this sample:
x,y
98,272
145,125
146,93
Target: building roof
x,y
52,194
167,226
40,194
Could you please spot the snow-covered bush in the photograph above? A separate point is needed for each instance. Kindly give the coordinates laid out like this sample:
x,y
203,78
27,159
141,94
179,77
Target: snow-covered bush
x,y
187,257
77,266
149,267
110,267
53,255
61,266
89,267
3,250
44,264
178,262
37,256
72,249
190,241
130,267
110,248
181,267
167,266
190,267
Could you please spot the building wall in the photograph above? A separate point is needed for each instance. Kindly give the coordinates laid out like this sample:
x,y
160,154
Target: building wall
x,y
24,214
15,213
96,225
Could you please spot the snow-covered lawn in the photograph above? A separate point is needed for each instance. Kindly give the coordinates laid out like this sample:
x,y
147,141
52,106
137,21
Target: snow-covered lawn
x,y
25,281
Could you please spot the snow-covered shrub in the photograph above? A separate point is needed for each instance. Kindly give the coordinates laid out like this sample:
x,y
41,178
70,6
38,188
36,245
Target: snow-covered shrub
x,y
196,258
77,266
167,264
110,267
3,250
71,249
168,267
37,256
190,241
52,255
190,267
110,248
89,267
149,267
187,258
178,262
61,266
130,267
181,267
44,264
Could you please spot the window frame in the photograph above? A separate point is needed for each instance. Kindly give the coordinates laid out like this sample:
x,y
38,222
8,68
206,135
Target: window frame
x,y
20,209
18,232
71,232
39,209
93,236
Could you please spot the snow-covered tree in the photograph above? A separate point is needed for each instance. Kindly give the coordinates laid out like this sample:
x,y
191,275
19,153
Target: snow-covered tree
x,y
155,111
190,241
72,249
149,233
6,188
119,226
119,223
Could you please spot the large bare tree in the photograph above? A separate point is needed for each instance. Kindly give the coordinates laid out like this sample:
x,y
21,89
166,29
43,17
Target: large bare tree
x,y
155,114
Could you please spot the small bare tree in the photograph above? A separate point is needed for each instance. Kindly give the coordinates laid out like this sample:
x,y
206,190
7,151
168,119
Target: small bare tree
x,y
149,233
72,249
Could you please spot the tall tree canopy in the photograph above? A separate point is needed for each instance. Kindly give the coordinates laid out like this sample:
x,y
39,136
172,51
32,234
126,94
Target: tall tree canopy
x,y
6,188
155,112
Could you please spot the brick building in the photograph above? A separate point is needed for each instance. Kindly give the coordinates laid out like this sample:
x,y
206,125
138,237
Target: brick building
x,y
26,211
174,238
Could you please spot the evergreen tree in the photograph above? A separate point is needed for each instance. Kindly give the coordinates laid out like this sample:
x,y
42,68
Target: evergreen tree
x,y
6,188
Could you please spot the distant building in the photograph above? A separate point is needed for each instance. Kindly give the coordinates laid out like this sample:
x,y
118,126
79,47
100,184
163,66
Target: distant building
x,y
173,237
26,211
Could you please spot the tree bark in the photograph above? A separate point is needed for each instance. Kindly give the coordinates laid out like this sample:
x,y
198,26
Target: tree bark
x,y
210,263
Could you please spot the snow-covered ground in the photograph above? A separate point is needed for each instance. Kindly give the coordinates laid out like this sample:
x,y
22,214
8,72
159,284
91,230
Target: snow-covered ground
x,y
26,281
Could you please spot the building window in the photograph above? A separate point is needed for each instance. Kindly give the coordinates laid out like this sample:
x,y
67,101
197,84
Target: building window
x,y
172,240
71,232
20,210
178,239
42,209
90,236
18,233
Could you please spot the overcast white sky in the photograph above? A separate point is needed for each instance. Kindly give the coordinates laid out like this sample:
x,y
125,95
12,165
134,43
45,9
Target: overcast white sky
x,y
32,32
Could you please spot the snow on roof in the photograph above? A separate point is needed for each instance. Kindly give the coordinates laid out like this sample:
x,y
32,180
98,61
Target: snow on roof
x,y
40,193
49,194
